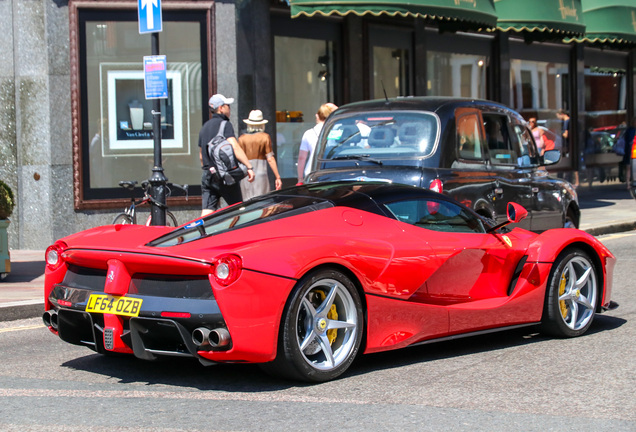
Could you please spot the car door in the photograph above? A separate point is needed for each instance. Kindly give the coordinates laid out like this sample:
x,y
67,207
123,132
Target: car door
x,y
546,206
473,269
512,178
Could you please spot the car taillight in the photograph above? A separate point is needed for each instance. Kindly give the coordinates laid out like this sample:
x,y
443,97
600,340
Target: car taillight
x,y
633,151
227,269
53,255
436,186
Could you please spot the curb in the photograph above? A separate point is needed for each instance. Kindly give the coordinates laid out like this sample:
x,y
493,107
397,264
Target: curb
x,y
612,229
21,310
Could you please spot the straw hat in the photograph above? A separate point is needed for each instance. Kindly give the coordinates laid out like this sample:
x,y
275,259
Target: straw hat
x,y
255,118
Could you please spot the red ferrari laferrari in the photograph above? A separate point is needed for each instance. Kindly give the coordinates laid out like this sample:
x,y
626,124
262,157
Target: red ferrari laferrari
x,y
304,279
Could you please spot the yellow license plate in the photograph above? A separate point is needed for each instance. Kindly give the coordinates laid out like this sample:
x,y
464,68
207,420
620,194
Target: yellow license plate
x,y
125,306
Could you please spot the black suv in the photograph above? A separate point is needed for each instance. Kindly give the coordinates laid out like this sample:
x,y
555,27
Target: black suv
x,y
479,152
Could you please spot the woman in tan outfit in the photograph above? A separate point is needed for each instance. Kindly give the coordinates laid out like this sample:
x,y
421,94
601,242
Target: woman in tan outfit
x,y
257,145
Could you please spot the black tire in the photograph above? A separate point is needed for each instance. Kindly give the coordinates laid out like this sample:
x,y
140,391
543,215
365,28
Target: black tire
x,y
321,328
122,218
572,295
570,220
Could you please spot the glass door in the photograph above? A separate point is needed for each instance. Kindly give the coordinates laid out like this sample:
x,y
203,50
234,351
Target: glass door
x,y
306,72
391,54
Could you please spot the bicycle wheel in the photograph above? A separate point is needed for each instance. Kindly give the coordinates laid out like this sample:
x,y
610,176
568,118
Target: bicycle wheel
x,y
170,220
123,218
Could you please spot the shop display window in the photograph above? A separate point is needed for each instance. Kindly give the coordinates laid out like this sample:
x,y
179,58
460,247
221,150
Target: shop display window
x,y
117,141
456,75
457,65
391,61
305,75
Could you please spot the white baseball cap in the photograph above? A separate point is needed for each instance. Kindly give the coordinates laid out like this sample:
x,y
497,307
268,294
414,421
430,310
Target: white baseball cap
x,y
218,100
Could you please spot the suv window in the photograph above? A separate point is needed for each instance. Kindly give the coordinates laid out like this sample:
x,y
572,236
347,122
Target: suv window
x,y
525,145
498,138
469,133
435,215
380,134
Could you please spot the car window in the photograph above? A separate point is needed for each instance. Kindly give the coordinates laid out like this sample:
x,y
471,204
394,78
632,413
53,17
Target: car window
x,y
379,134
469,134
437,215
498,139
525,146
241,215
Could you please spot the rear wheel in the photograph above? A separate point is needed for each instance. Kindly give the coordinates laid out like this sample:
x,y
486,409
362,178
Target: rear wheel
x,y
123,218
321,329
572,295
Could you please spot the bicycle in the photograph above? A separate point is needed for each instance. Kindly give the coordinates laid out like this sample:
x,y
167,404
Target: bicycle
x,y
129,215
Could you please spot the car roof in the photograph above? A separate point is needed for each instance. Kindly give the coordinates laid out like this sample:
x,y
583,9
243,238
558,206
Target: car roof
x,y
420,103
357,193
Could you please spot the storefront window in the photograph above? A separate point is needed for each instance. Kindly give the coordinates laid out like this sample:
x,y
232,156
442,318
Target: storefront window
x,y
540,89
605,113
457,64
305,74
390,50
118,142
456,75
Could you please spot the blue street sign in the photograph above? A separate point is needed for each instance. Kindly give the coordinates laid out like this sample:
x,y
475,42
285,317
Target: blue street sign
x,y
149,12
155,78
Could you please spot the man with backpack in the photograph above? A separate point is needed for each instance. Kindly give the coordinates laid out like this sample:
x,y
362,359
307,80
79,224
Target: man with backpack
x,y
213,187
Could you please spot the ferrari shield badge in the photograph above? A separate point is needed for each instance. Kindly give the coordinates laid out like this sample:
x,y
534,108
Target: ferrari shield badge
x,y
507,240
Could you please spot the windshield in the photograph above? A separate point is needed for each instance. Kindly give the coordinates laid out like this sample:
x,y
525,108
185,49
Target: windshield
x,y
371,136
241,215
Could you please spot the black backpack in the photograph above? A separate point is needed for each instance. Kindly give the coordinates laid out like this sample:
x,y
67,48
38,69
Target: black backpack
x,y
221,153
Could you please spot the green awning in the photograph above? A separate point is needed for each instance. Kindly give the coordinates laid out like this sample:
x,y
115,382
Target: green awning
x,y
465,13
541,18
609,21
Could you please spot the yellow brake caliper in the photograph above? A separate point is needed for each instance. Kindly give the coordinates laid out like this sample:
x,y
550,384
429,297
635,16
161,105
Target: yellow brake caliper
x,y
332,315
562,305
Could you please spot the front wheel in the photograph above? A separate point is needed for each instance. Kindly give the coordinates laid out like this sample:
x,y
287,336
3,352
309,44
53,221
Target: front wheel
x,y
572,295
123,218
321,329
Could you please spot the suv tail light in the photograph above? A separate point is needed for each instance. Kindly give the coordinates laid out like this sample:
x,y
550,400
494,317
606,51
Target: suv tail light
x,y
436,186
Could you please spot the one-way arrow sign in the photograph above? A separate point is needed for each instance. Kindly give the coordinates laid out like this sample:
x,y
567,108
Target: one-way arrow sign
x,y
149,12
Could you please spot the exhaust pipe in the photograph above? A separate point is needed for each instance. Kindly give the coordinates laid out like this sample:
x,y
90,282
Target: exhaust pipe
x,y
46,318
200,336
216,338
50,319
219,338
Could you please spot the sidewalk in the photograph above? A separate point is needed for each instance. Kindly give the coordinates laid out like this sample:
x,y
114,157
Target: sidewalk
x,y
605,208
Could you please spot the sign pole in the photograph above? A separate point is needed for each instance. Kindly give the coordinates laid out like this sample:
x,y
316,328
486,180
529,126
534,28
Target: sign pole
x,y
156,88
158,179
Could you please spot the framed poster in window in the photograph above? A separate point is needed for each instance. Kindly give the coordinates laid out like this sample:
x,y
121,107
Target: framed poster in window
x,y
129,114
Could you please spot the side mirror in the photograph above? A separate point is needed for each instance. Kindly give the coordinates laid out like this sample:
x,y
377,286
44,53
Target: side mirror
x,y
551,157
516,213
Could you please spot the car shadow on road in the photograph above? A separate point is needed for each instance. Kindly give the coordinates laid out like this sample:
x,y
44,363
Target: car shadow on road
x,y
470,345
249,378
